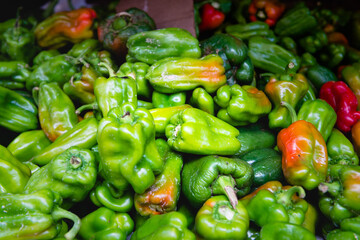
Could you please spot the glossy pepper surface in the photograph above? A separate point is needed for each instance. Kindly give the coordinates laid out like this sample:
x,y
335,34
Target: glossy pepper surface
x,y
281,230
104,223
131,157
304,154
201,99
251,29
349,228
217,219
241,105
66,26
340,149
195,131
35,215
215,175
171,75
343,101
268,11
163,195
351,75
161,100
211,18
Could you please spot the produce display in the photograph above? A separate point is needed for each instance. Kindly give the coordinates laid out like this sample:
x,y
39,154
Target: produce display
x,y
113,128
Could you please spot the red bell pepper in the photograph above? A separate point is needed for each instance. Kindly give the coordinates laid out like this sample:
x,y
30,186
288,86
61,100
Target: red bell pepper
x,y
267,11
343,101
211,18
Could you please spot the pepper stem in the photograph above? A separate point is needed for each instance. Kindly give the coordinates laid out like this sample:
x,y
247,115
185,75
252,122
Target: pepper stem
x,y
332,188
108,67
225,185
75,162
285,196
60,213
291,111
90,106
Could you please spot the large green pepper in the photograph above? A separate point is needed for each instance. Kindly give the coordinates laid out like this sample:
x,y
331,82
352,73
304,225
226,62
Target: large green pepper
x,y
56,110
152,46
320,114
284,231
126,139
162,100
172,225
105,224
82,135
318,75
17,113
14,174
340,149
349,229
251,29
195,131
163,195
84,48
16,71
44,56
215,175
34,216
271,57
217,219
28,144
202,100
171,75
241,105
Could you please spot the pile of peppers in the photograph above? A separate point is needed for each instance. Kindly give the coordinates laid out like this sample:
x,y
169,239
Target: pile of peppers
x,y
112,128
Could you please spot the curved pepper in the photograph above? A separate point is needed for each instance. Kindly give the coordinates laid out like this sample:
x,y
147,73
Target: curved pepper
x,y
163,195
340,149
202,100
171,75
66,26
248,30
131,157
267,11
217,219
241,105
14,174
280,231
195,131
104,223
215,175
343,101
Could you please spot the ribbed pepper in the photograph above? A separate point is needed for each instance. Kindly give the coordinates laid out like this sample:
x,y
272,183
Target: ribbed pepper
x,y
171,75
340,149
218,219
248,30
241,105
66,26
162,100
195,131
163,195
351,75
214,175
202,100
126,139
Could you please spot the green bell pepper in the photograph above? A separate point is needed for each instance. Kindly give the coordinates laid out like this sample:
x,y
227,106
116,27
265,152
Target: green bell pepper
x,y
15,174
152,46
17,113
217,219
126,139
171,75
349,229
82,135
172,225
241,105
340,149
72,174
283,231
162,100
318,75
251,29
202,100
34,216
84,48
289,44
17,71
194,131
332,55
43,56
28,144
163,195
105,224
215,175
314,42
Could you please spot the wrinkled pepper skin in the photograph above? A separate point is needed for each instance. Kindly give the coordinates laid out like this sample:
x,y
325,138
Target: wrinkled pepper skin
x,y
268,11
126,139
214,175
14,174
82,135
56,110
351,75
282,231
202,100
304,154
162,117
17,113
34,216
163,195
28,144
286,88
64,27
72,174
217,219
340,197
241,105
340,149
152,46
105,224
320,114
172,226
162,100
343,101
171,75
195,131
